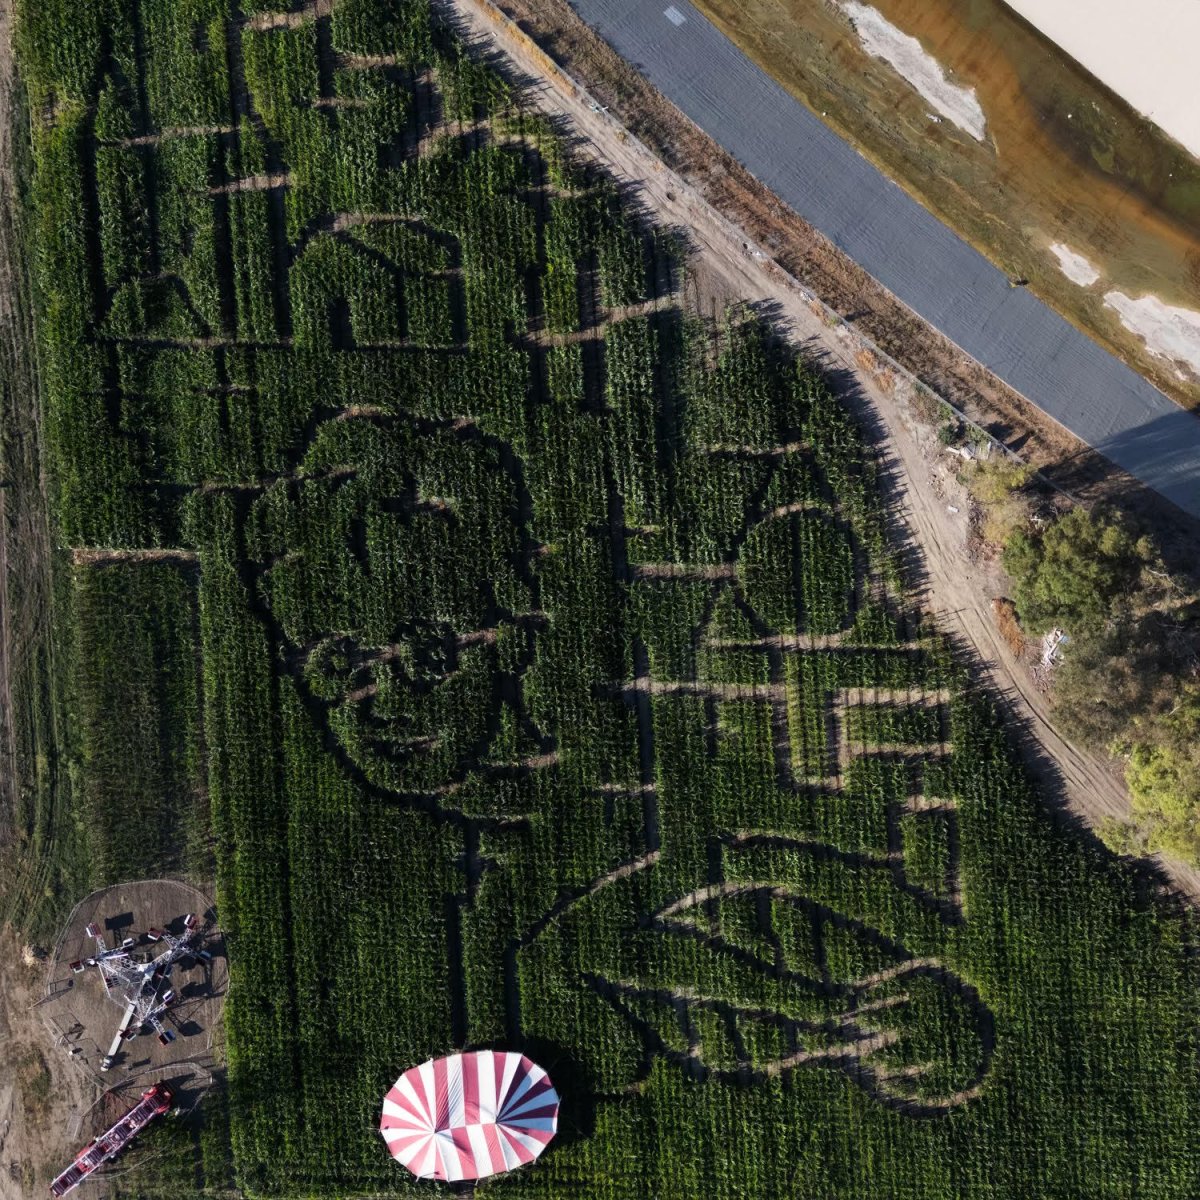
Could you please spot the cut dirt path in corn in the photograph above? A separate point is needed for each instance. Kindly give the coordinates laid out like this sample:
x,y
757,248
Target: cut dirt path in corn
x,y
93,556
290,16
957,590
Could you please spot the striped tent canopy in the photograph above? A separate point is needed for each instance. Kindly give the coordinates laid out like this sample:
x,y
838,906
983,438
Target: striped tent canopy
x,y
469,1115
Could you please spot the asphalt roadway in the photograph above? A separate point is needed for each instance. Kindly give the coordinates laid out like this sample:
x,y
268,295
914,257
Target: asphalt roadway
x,y
922,261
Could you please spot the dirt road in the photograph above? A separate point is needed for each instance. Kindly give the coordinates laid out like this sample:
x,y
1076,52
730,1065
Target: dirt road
x,y
727,265
43,1096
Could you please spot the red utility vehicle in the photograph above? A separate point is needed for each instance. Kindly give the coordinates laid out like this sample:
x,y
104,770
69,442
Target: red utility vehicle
x,y
154,1102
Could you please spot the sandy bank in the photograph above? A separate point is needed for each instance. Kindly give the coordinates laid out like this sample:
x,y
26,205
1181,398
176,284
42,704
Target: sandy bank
x,y
882,39
1147,52
1169,332
1074,266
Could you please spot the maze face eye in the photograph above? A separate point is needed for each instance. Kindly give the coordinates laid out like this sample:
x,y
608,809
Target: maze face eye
x,y
423,656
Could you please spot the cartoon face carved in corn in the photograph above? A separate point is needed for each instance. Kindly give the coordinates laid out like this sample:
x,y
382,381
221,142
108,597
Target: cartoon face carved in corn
x,y
403,620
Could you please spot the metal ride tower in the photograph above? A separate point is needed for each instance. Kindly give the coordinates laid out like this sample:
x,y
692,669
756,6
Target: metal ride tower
x,y
139,983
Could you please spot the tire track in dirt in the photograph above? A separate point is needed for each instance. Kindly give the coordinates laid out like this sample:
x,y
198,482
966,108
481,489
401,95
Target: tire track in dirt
x,y
956,591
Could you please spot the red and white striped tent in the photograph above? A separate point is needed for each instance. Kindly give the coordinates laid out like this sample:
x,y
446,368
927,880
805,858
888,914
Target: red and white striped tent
x,y
469,1115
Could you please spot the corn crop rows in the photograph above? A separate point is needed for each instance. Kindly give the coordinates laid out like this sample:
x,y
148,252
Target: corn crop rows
x,y
558,687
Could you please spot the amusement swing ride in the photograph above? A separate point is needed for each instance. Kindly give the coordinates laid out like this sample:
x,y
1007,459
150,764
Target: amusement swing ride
x,y
139,984
154,1102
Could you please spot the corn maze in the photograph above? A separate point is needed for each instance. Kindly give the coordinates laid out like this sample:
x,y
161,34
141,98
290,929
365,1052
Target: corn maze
x,y
559,691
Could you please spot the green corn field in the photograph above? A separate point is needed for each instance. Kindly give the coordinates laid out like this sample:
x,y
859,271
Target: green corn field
x,y
534,664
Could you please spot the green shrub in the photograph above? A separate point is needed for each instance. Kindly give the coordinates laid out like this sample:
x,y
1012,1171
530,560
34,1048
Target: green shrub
x,y
1075,572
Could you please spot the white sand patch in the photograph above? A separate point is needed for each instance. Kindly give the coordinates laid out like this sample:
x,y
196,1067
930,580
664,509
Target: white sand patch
x,y
1145,50
1169,332
1074,266
882,39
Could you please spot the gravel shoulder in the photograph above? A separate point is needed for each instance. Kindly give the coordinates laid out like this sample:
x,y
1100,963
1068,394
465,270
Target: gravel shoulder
x,y
726,265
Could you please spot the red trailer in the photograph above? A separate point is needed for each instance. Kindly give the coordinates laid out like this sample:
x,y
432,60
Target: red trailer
x,y
154,1102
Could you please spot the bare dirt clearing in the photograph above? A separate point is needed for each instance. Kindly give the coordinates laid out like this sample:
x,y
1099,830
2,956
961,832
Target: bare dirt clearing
x,y
929,502
79,1014
43,1097
55,1027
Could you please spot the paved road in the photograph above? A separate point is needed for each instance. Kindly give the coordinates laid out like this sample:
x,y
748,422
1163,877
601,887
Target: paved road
x,y
930,268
